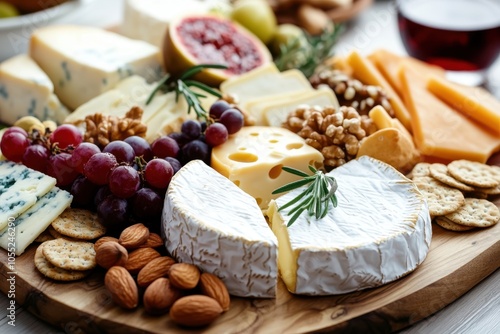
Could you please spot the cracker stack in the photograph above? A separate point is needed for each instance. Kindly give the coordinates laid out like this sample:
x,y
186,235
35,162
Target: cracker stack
x,y
458,193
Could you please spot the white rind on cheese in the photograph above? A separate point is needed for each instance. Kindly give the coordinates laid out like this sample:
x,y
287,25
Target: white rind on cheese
x,y
83,62
29,225
210,222
25,90
379,232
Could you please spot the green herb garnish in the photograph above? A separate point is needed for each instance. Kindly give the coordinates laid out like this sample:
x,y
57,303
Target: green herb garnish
x,y
183,84
307,54
315,198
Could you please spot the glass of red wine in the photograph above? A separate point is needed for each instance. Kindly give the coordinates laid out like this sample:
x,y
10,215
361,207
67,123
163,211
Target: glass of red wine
x,y
461,36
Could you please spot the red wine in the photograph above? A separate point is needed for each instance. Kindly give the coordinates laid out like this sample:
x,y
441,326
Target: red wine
x,y
458,35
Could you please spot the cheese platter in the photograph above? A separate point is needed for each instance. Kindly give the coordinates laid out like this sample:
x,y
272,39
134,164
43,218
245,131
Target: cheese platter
x,y
177,220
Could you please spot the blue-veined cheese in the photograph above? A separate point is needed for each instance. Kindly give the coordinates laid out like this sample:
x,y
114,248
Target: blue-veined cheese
x,y
83,62
20,188
25,90
379,232
210,222
29,225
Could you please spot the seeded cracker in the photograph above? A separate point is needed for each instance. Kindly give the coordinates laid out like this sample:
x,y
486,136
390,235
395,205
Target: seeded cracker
x,y
71,255
44,236
476,212
451,226
57,235
49,270
489,191
440,173
79,224
441,200
420,169
473,173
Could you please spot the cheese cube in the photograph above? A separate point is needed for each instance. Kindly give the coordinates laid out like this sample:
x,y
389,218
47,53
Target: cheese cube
x,y
25,90
252,158
83,62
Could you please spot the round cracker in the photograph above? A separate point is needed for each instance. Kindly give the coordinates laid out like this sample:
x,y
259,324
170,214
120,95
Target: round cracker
x,y
69,254
451,226
44,236
473,173
440,173
496,172
49,270
441,200
476,212
489,191
80,224
57,235
420,169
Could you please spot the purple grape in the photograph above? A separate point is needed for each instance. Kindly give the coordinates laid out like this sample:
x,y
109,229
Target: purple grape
x,y
60,168
141,147
121,150
191,128
112,212
82,154
124,181
101,194
217,108
175,163
98,168
232,120
196,149
147,204
180,138
83,192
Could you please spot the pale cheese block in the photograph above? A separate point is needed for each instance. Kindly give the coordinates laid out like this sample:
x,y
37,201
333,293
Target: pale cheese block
x,y
253,157
25,90
28,226
84,62
210,222
20,188
379,232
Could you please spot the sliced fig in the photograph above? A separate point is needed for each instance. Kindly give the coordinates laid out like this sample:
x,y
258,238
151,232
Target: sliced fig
x,y
209,39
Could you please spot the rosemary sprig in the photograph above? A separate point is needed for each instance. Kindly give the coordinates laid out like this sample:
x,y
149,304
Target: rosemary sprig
x,y
307,56
315,198
182,86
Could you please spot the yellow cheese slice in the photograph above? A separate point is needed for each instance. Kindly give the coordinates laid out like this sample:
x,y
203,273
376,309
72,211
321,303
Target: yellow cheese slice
x,y
365,72
383,120
474,102
440,131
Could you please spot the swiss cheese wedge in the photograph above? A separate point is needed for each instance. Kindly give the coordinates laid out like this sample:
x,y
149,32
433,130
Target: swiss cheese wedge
x,y
475,102
441,131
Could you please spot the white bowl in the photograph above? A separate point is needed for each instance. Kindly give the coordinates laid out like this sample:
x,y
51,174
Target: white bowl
x,y
15,32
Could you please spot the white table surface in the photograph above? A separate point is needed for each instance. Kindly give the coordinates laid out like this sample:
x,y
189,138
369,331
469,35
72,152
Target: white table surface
x,y
476,312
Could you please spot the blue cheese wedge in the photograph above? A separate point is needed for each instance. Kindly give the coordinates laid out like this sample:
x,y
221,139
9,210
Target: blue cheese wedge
x,y
210,222
25,90
29,225
20,188
379,232
84,62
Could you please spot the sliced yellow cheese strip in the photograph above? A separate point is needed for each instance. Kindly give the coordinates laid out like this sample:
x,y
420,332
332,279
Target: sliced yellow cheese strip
x,y
367,73
383,120
474,102
440,131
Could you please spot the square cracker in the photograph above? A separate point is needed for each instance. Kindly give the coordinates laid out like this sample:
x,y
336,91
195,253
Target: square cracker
x,y
80,224
476,212
49,270
69,254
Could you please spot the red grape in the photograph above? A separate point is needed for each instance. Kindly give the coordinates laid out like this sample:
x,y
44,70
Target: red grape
x,y
232,120
147,204
82,154
60,168
191,128
158,173
141,147
165,147
13,145
217,108
66,135
36,157
16,129
216,134
83,192
121,150
124,181
98,168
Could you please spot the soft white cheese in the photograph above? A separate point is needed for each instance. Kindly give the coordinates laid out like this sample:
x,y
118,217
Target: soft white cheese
x,y
210,222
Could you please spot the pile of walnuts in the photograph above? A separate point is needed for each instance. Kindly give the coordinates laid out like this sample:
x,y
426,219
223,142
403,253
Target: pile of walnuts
x,y
336,133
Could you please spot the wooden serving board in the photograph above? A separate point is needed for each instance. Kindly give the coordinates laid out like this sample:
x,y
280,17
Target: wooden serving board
x,y
456,262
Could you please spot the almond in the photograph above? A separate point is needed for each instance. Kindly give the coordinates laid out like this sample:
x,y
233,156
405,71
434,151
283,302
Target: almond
x,y
195,310
138,258
212,286
184,275
156,268
111,253
102,240
154,241
159,296
122,287
134,236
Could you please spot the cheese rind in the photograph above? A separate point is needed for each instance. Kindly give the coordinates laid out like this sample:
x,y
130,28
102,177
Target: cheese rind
x,y
83,62
25,90
210,222
380,231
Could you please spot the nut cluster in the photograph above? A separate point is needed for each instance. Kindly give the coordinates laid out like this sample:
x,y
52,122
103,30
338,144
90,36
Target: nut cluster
x,y
102,129
336,133
134,264
351,92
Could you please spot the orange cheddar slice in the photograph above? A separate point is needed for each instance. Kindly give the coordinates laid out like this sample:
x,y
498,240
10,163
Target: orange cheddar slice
x,y
441,131
475,102
367,73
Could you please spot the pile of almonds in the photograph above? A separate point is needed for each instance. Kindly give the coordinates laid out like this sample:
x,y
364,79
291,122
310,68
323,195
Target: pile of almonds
x,y
135,267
